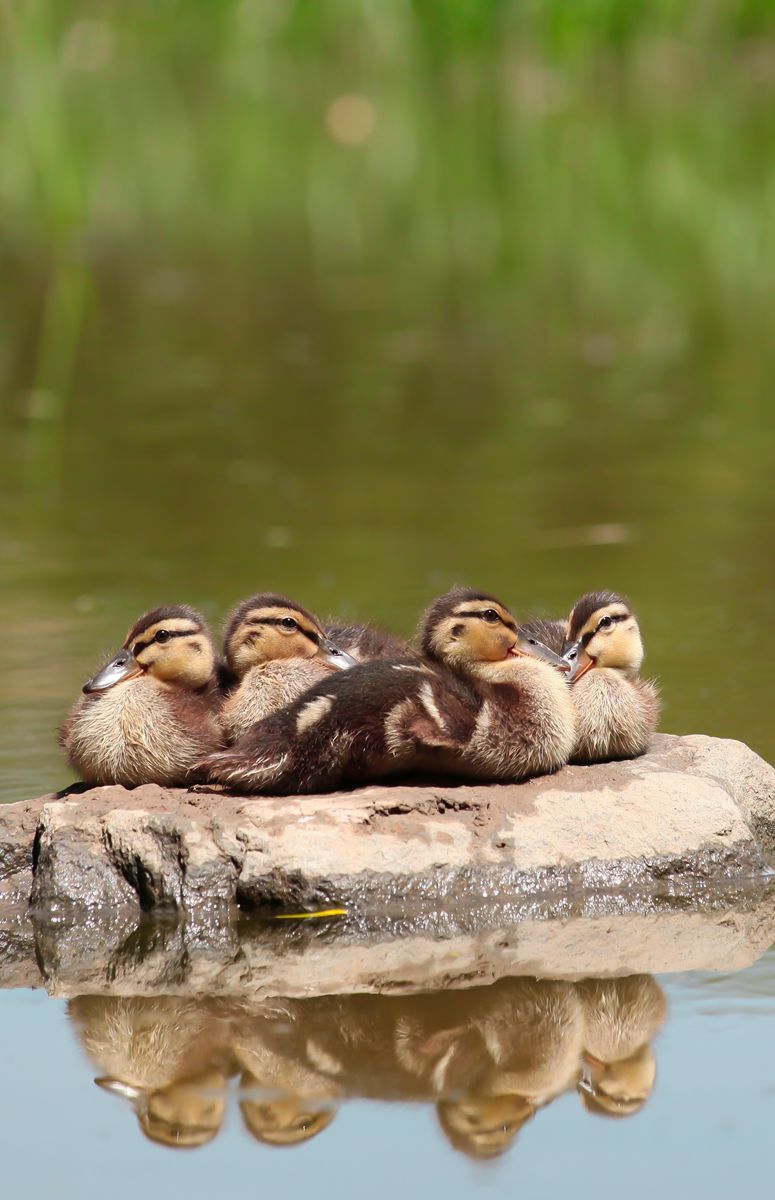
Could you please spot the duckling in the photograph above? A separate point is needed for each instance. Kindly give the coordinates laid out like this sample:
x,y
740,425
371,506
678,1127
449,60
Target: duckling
x,y
296,1100
365,643
168,1057
617,711
552,635
276,650
622,1016
532,1037
478,705
152,712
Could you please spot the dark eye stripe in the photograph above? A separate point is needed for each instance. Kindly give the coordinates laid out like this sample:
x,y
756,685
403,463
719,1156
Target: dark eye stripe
x,y
172,633
613,618
308,633
479,612
586,638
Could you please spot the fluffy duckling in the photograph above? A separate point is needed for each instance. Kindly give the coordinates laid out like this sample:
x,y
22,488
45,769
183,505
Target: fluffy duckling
x,y
163,1055
622,1016
551,635
479,705
532,1035
617,711
287,1098
152,712
365,643
275,650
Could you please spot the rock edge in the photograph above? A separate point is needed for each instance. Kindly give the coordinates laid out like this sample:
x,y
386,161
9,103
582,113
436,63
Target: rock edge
x,y
695,811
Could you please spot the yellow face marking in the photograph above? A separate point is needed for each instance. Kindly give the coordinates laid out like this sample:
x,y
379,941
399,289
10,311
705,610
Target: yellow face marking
x,y
272,632
476,631
610,610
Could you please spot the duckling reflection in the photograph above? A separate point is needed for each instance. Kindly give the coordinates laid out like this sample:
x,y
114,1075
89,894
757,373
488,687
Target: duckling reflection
x,y
622,1016
168,1057
287,1098
488,1058
529,1039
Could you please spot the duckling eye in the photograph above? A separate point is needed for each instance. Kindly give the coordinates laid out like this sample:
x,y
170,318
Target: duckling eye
x,y
162,636
490,616
605,622
289,623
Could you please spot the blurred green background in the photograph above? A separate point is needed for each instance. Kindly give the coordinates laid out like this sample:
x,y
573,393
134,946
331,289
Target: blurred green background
x,y
360,300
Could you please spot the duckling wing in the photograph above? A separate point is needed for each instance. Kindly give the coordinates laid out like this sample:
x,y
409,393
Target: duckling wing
x,y
366,723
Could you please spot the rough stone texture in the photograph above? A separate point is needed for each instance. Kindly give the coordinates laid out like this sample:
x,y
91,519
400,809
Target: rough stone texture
x,y
252,960
691,812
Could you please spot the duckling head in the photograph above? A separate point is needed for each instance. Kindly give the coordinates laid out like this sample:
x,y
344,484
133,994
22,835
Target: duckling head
x,y
171,644
468,630
267,627
603,631
484,1127
621,1088
288,1121
185,1114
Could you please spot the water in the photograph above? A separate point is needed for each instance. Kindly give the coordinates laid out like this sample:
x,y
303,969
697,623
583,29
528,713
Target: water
x,y
357,302
383,1091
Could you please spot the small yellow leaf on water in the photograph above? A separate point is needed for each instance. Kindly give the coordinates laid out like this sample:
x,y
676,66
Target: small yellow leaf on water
x,y
324,912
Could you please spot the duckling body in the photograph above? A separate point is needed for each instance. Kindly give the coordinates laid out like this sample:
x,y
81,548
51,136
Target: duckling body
x,y
152,712
617,711
622,1016
475,706
275,650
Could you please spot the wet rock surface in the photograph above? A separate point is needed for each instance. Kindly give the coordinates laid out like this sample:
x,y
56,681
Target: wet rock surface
x,y
253,959
693,812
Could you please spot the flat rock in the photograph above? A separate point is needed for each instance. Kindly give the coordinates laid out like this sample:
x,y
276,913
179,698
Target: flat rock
x,y
694,812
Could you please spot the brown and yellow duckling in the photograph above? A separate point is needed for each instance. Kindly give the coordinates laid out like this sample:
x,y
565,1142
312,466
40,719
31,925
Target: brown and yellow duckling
x,y
275,650
167,1057
622,1017
617,711
479,705
151,713
367,643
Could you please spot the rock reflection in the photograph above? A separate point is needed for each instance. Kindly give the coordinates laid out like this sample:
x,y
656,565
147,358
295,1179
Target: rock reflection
x,y
488,1058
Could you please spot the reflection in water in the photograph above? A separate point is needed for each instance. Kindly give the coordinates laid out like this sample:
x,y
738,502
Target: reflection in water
x,y
488,1058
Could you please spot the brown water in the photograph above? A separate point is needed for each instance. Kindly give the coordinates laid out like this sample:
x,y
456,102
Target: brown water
x,y
363,460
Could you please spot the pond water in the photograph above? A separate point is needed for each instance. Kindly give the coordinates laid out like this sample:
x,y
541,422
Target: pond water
x,y
359,301
597,1088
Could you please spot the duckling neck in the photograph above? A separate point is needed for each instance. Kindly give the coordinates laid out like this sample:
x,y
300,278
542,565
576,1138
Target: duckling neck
x,y
517,670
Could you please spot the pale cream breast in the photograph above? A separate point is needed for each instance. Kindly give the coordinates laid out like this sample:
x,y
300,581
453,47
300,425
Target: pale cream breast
x,y
267,688
131,734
